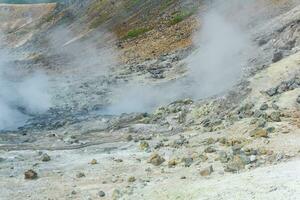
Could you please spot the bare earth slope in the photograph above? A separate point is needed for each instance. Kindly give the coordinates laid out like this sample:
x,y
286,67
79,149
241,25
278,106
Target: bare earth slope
x,y
243,144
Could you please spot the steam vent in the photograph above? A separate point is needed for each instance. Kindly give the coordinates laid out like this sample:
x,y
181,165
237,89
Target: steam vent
x,y
149,100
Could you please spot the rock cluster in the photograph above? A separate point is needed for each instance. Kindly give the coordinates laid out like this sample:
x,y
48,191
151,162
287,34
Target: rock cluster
x,y
284,86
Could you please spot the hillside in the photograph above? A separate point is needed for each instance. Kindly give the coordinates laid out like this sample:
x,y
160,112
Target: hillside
x,y
131,99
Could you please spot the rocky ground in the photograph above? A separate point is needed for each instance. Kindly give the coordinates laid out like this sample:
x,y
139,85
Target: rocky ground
x,y
243,144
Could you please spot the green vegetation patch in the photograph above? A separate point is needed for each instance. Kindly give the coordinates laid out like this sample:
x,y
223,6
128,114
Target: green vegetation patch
x,y
180,16
165,4
136,32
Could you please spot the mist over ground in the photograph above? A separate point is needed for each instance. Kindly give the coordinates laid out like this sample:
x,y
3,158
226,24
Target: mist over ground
x,y
21,96
222,49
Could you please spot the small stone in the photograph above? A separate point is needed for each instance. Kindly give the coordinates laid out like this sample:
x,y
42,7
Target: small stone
x,y
156,159
179,142
207,171
187,161
222,140
30,175
273,91
271,129
45,158
80,175
118,160
144,145
246,160
172,163
264,106
116,194
101,194
258,113
223,157
253,158
210,141
261,123
236,149
262,151
131,179
235,165
257,133
129,138
94,162
210,149
203,157
275,107
262,42
275,116
250,151
73,192
298,99
159,145
277,56
148,169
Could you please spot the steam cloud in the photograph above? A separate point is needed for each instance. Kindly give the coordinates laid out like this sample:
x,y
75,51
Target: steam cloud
x,y
20,97
214,67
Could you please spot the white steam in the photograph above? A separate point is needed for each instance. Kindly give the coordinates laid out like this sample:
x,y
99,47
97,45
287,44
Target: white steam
x,y
222,49
217,64
20,96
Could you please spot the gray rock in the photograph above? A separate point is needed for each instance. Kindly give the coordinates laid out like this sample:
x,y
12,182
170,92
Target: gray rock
x,y
283,87
275,116
80,175
298,99
272,92
179,142
274,106
264,106
236,149
159,145
45,158
261,123
73,192
223,157
271,129
210,149
235,165
101,194
187,161
257,113
277,56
